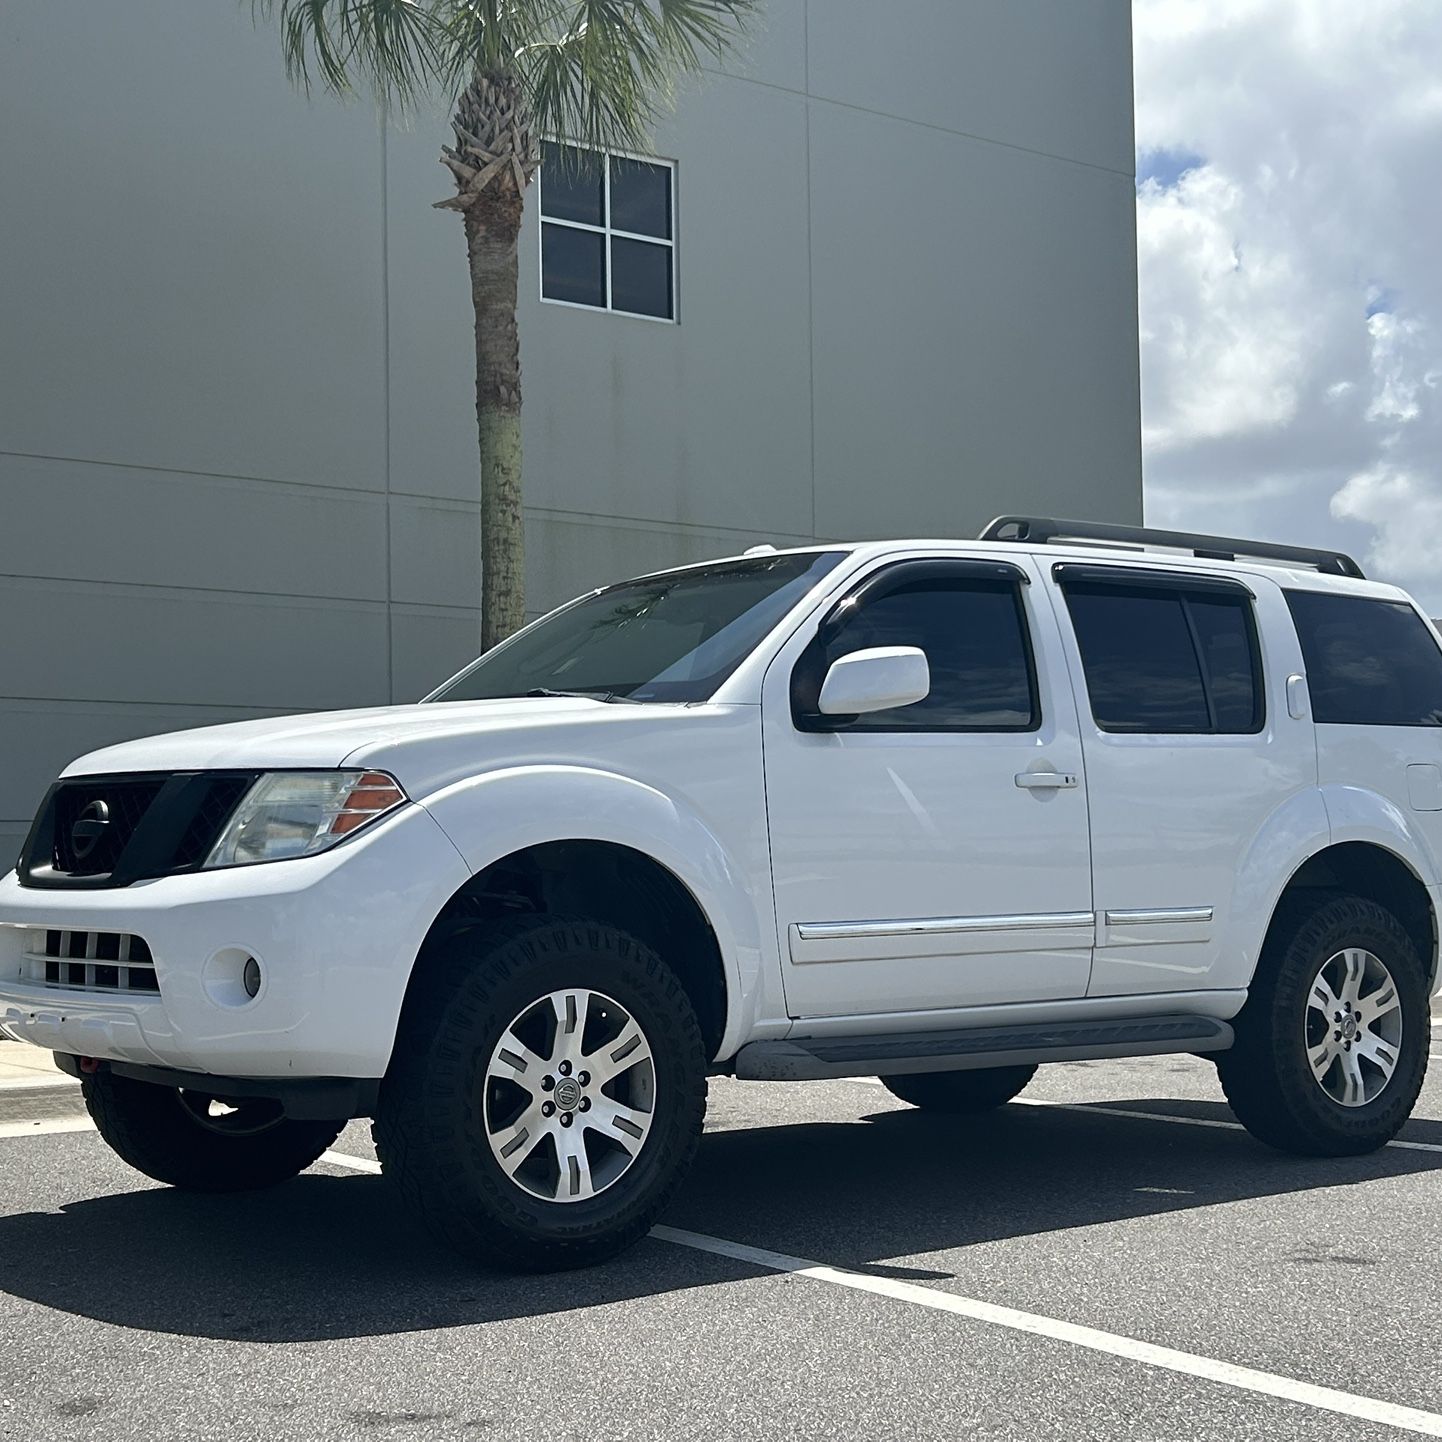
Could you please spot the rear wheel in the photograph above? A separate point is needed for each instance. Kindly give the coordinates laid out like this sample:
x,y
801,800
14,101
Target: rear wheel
x,y
961,1092
199,1142
1332,1044
547,1093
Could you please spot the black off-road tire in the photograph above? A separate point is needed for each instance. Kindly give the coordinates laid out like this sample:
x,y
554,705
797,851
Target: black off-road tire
x,y
1266,1076
430,1128
156,1130
962,1093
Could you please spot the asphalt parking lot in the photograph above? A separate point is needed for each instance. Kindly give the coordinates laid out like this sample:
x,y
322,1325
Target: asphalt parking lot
x,y
1107,1258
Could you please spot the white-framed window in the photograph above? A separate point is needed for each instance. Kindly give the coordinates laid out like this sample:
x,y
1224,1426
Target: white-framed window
x,y
608,231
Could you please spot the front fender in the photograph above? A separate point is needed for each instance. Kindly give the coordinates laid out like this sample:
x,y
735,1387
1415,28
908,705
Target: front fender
x,y
492,816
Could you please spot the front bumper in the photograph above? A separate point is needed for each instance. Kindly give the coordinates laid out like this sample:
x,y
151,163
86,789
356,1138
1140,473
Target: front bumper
x,y
335,935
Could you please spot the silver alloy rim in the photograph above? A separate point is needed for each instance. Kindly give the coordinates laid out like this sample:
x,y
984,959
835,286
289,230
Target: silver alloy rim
x,y
1353,1027
570,1094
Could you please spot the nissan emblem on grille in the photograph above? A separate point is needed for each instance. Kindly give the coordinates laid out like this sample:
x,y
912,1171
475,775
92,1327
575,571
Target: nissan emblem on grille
x,y
89,828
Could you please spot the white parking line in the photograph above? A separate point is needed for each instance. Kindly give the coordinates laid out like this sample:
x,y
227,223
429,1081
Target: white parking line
x,y
356,1164
1247,1379
1105,1109
1410,1419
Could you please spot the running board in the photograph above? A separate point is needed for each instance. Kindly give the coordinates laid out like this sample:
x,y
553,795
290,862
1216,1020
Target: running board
x,y
815,1058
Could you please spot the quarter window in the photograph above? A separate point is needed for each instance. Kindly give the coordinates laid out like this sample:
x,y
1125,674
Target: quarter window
x,y
974,636
608,231
1369,662
1167,661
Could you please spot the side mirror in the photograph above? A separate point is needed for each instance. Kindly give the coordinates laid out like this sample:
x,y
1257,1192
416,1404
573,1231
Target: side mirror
x,y
879,679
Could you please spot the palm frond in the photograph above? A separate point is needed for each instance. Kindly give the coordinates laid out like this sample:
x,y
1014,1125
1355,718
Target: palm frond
x,y
594,71
391,46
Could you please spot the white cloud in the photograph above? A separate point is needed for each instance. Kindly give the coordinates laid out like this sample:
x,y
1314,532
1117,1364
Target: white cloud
x,y
1397,349
1291,291
1405,510
1225,339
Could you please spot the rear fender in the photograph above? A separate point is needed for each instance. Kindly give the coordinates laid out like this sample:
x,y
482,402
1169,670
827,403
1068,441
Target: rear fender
x,y
1296,830
1357,814
1306,824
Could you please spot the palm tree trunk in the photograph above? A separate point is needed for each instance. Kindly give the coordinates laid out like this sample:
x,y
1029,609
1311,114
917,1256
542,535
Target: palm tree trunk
x,y
493,227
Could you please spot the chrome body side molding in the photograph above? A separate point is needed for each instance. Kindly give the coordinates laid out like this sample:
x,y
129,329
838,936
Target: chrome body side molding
x,y
942,925
1154,915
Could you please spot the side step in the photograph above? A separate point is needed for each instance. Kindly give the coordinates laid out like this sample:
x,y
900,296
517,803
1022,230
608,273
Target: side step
x,y
815,1058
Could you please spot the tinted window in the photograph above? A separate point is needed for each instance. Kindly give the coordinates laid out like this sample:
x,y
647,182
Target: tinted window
x,y
1141,667
975,641
672,637
641,278
574,185
573,265
607,231
641,197
1167,661
1229,659
1373,663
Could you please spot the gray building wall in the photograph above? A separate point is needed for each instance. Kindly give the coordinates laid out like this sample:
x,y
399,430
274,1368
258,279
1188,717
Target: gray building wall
x,y
237,450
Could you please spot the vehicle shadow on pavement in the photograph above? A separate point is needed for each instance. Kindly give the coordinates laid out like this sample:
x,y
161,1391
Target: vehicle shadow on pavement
x,y
326,1257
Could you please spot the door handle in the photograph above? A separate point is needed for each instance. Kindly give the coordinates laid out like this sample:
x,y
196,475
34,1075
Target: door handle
x,y
1046,780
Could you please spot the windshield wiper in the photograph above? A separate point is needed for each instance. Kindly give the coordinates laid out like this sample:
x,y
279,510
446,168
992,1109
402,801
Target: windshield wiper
x,y
582,695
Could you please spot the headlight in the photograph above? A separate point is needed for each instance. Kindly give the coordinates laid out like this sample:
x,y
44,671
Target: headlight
x,y
296,813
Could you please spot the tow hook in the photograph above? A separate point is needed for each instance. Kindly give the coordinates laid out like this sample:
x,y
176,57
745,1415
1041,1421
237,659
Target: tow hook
x,y
89,1065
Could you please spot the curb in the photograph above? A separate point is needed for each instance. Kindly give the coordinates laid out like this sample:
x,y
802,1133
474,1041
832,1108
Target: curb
x,y
41,1101
34,1080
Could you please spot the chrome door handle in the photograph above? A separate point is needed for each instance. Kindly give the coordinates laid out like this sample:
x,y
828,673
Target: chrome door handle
x,y
1046,780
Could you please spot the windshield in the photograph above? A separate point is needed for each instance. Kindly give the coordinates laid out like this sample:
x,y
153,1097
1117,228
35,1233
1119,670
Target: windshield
x,y
672,637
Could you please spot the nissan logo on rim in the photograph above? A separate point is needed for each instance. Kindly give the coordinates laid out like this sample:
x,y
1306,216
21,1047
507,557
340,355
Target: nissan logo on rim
x,y
89,828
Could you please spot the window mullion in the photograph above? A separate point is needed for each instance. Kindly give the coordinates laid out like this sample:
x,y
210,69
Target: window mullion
x,y
644,239
1203,670
572,224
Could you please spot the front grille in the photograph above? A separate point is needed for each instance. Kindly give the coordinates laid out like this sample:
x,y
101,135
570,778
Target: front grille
x,y
221,798
90,960
99,831
125,804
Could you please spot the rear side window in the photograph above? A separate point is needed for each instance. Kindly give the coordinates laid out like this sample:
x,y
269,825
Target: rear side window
x,y
1168,660
975,640
1369,662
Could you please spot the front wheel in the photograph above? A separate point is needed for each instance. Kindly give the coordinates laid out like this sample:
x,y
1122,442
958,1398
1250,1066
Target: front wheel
x,y
200,1143
1332,1044
963,1093
547,1093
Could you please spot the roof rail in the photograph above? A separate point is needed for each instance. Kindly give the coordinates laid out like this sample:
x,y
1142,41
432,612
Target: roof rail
x,y
1042,530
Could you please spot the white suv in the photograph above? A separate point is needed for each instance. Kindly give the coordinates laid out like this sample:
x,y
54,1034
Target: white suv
x,y
936,811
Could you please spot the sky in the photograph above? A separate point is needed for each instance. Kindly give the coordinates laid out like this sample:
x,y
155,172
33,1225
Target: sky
x,y
1289,235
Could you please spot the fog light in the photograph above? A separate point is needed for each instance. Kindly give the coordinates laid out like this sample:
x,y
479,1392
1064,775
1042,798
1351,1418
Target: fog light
x,y
250,976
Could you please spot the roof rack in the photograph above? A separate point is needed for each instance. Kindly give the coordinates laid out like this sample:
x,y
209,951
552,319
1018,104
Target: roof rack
x,y
1042,530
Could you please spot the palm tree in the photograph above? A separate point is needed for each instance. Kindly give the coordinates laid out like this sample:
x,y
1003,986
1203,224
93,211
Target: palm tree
x,y
593,73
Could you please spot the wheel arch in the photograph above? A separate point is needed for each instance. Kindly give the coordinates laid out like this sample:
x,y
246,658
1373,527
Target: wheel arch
x,y
601,881
585,842
1378,873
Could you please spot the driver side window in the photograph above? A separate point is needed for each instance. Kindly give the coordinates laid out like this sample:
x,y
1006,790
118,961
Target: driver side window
x,y
975,638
